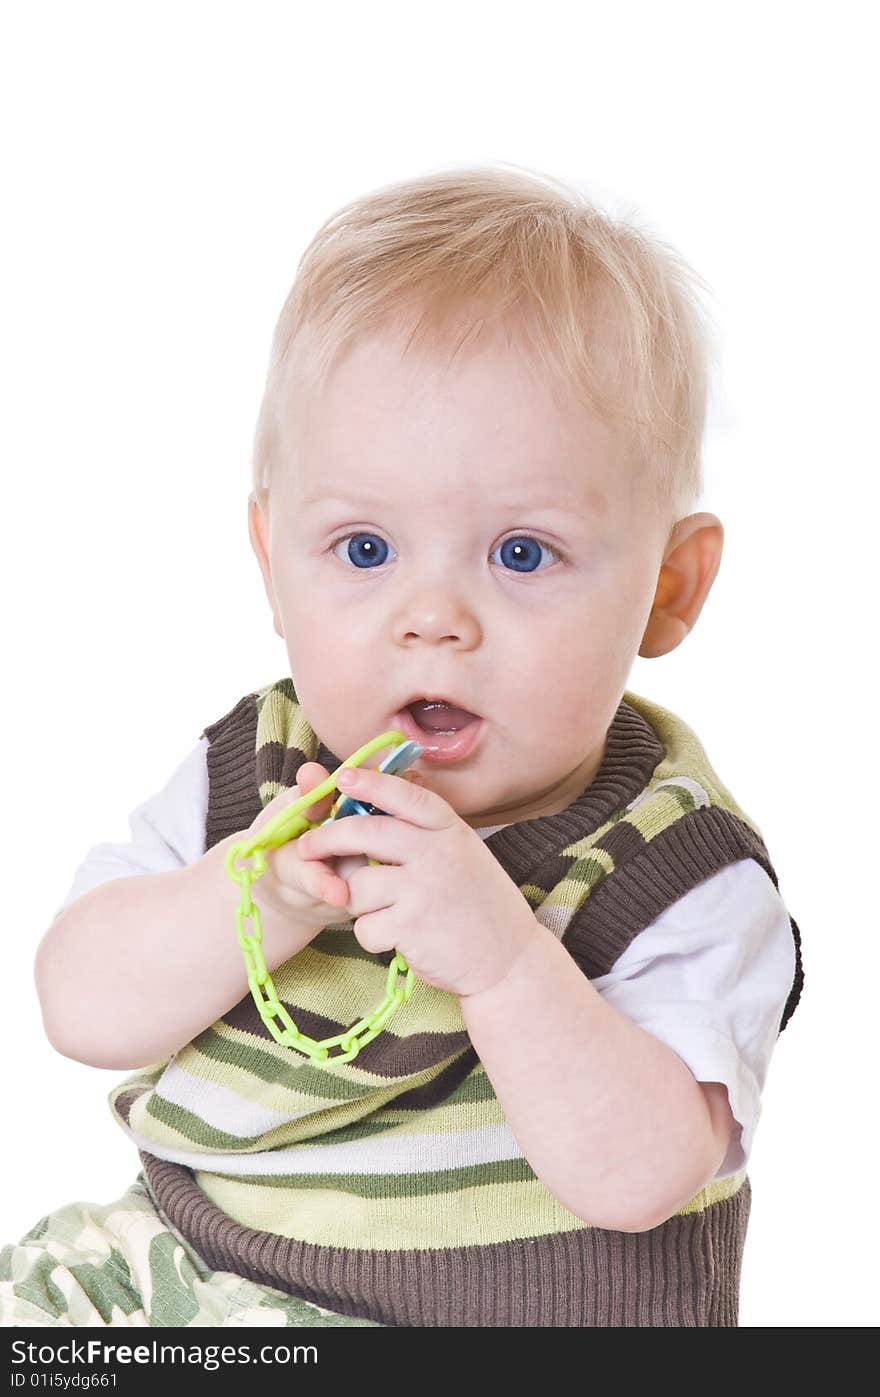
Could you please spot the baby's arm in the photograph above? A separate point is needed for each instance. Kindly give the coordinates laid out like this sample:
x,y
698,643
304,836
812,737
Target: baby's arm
x,y
613,1086
134,968
609,1118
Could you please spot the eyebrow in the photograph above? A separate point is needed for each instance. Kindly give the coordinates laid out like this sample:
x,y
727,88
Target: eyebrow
x,y
540,503
324,496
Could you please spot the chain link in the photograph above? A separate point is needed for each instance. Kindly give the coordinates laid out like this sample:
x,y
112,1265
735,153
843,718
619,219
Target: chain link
x,y
399,982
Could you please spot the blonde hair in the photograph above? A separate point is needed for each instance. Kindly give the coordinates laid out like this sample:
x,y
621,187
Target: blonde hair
x,y
612,314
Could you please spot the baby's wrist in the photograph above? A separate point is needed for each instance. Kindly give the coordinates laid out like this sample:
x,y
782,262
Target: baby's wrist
x,y
286,925
286,910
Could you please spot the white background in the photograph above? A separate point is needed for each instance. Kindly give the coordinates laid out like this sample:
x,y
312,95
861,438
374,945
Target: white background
x,y
164,167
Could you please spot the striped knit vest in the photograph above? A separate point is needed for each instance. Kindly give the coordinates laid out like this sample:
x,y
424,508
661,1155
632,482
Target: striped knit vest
x,y
391,1187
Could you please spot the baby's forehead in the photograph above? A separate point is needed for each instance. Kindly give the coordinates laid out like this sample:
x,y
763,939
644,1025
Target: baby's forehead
x,y
492,416
488,426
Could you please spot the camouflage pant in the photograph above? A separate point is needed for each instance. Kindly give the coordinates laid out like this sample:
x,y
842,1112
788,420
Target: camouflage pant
x,y
123,1264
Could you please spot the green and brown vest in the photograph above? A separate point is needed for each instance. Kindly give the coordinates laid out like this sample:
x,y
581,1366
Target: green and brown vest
x,y
391,1187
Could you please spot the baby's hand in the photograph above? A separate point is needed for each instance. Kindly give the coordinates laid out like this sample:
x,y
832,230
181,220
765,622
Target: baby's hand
x,y
310,890
438,895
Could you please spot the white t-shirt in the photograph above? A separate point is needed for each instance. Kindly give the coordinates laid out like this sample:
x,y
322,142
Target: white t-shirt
x,y
709,978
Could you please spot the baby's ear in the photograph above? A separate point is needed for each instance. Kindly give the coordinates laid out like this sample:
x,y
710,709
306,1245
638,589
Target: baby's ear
x,y
258,531
689,568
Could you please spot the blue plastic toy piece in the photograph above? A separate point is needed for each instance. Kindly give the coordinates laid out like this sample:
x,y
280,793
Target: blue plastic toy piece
x,y
398,761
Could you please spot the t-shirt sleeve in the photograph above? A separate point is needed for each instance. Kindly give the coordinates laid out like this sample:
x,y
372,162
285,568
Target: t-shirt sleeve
x,y
167,831
710,978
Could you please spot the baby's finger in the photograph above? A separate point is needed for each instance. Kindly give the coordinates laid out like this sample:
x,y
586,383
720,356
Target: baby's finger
x,y
321,883
308,776
375,836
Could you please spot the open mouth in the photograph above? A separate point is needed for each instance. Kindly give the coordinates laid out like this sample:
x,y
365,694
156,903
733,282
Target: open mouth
x,y
438,716
445,731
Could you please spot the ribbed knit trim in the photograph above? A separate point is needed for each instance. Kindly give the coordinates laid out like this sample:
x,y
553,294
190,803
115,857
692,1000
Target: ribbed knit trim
x,y
684,1273
233,802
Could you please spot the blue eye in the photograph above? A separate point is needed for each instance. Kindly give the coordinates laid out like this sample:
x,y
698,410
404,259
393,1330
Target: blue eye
x,y
522,553
367,549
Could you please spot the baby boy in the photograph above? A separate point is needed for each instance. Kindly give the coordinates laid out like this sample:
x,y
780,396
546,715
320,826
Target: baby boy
x,y
475,468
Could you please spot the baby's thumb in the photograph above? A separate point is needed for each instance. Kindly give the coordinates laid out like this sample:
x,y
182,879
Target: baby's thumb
x,y
310,775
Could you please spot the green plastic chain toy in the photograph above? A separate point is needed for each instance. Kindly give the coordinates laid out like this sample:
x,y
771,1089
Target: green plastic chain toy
x,y
290,823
